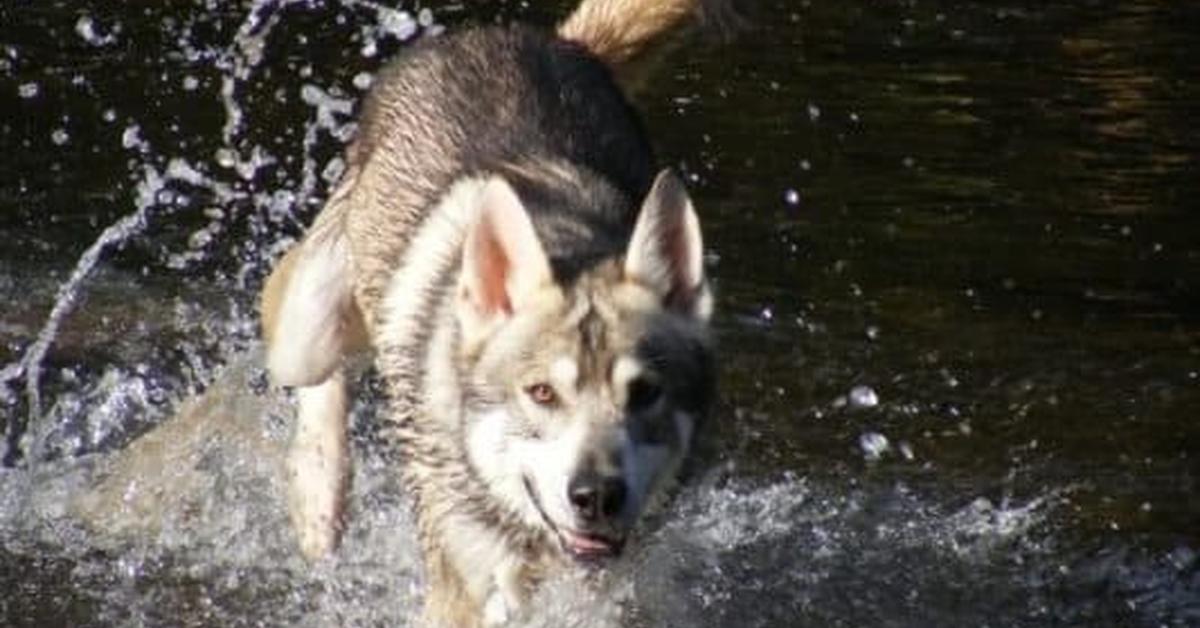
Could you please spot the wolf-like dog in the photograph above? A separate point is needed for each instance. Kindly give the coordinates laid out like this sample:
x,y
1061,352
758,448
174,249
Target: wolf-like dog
x,y
533,289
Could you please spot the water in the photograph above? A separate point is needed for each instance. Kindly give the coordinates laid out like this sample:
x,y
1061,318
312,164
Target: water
x,y
957,249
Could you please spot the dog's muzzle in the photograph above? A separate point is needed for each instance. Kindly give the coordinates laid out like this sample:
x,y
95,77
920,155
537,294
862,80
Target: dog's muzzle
x,y
594,508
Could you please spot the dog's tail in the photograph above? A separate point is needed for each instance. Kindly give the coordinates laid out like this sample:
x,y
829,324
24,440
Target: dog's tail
x,y
620,31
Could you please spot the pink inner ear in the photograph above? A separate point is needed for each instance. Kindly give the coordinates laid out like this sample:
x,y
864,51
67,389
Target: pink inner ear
x,y
504,260
492,270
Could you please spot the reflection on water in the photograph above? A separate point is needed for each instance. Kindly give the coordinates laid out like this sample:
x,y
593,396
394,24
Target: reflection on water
x,y
957,254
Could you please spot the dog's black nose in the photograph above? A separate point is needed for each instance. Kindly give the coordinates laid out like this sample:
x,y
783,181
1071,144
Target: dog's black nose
x,y
596,497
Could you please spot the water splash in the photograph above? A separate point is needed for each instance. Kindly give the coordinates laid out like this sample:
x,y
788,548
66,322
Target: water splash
x,y
155,188
30,364
200,500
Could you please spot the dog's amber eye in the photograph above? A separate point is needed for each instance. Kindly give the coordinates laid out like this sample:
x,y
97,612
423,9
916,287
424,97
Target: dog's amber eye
x,y
542,394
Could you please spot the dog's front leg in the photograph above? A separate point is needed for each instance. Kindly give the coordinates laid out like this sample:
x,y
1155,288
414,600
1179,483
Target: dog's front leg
x,y
310,324
318,466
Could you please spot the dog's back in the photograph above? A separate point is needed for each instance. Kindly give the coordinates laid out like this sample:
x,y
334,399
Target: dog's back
x,y
474,100
514,100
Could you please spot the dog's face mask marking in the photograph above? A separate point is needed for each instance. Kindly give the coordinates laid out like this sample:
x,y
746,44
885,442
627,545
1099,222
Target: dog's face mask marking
x,y
581,399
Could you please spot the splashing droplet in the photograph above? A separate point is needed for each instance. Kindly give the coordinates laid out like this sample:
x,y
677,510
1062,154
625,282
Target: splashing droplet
x,y
863,397
873,445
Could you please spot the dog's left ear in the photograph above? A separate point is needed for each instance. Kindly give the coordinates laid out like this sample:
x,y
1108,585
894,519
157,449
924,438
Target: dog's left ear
x,y
666,252
503,260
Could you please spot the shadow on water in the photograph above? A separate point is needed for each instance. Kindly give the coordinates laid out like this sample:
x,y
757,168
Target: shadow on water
x,y
957,247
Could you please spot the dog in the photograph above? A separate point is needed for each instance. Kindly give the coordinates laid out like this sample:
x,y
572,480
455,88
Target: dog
x,y
533,290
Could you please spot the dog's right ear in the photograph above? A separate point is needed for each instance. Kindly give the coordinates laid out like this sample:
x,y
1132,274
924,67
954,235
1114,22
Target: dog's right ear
x,y
666,251
503,260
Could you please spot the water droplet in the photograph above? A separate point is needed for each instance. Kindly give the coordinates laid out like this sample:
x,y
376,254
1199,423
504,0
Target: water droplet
x,y
226,158
398,24
85,27
333,170
1182,557
28,90
873,445
814,112
190,83
863,397
363,80
131,137
200,239
767,314
791,197
60,137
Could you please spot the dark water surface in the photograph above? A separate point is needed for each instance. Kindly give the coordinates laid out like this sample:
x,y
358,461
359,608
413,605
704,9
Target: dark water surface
x,y
957,247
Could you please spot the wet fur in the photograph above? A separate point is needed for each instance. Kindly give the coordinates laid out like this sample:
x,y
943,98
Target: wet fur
x,y
500,214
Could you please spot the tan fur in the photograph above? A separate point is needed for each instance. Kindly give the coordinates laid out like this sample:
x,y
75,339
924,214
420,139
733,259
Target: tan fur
x,y
272,294
617,31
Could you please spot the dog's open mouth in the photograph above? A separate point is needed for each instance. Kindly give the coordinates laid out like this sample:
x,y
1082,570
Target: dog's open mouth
x,y
587,547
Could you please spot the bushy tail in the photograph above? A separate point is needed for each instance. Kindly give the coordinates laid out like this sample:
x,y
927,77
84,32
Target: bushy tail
x,y
619,31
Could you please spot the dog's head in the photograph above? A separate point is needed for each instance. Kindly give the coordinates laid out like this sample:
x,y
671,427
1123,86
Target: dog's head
x,y
582,397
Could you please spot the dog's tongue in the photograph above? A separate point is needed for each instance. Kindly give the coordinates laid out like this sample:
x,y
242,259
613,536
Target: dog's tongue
x,y
588,545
